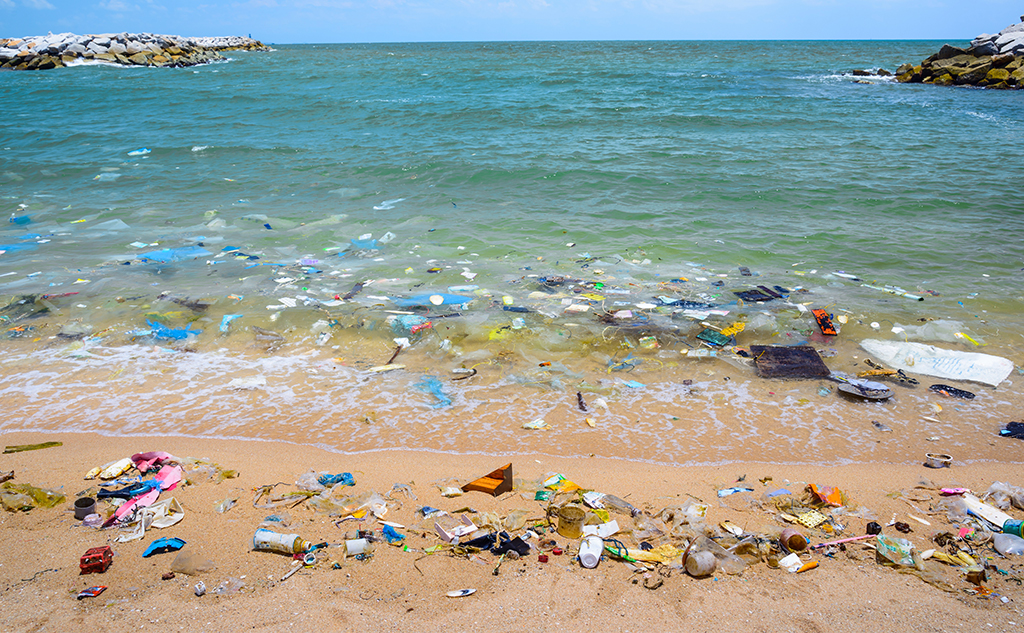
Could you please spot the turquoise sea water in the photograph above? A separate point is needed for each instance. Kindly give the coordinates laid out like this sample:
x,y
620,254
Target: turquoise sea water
x,y
640,169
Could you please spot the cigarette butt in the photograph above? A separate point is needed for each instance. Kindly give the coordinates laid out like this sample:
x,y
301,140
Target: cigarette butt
x,y
807,566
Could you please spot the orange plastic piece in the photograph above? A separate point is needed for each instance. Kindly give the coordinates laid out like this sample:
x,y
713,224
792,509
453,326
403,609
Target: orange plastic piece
x,y
824,322
494,483
831,496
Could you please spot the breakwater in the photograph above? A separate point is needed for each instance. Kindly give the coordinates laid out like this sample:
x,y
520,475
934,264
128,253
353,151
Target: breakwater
x,y
49,51
991,61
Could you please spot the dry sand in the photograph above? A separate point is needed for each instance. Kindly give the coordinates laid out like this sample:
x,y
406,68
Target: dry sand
x,y
405,590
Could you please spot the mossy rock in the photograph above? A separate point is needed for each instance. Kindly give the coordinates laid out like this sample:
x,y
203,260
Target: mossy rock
x,y
974,74
943,80
997,75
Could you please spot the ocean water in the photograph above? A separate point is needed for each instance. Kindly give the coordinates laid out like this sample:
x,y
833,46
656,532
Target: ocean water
x,y
566,192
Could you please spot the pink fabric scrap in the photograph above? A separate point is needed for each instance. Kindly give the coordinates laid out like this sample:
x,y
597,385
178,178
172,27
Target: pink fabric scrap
x,y
145,461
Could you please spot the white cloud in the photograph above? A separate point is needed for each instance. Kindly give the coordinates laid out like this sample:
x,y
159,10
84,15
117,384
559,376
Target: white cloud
x,y
7,4
38,4
116,5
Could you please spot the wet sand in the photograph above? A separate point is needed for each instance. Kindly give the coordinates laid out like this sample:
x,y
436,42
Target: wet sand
x,y
405,590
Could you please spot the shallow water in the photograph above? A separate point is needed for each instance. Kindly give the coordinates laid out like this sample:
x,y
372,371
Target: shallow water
x,y
633,170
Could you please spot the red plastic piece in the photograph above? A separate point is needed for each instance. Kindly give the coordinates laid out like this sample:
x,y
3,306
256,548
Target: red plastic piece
x,y
542,558
96,560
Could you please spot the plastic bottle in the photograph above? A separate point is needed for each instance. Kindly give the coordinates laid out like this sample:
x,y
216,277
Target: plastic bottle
x,y
620,505
610,502
270,541
1008,544
590,551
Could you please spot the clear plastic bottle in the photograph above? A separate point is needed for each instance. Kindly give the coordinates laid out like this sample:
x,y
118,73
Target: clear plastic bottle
x,y
610,502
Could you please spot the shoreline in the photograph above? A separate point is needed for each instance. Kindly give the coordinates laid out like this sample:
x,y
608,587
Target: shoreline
x,y
405,590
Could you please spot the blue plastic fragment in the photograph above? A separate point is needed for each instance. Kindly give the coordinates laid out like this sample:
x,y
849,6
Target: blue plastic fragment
x,y
424,300
391,535
225,322
169,255
19,219
159,330
11,248
330,480
163,545
366,245
434,386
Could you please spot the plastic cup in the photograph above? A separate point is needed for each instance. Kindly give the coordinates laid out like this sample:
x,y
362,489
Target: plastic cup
x,y
84,506
570,522
590,551
356,546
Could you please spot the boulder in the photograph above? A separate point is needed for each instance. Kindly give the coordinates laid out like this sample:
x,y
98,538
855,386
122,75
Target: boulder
x,y
107,57
995,76
141,59
974,74
132,47
116,48
1016,77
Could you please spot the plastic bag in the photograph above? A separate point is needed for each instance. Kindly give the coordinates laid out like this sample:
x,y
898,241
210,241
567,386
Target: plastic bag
x,y
515,520
897,551
955,509
191,563
26,496
1002,495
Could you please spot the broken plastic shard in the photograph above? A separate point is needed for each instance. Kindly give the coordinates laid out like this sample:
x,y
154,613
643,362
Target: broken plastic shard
x,y
881,427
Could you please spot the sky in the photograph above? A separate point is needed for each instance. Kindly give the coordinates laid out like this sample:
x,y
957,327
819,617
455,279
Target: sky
x,y
358,21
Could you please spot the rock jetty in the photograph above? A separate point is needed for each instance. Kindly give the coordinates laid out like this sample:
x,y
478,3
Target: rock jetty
x,y
44,52
991,61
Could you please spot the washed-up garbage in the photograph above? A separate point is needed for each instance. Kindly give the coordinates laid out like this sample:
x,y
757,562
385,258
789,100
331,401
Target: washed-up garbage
x,y
192,563
171,255
802,361
163,545
494,483
20,448
952,392
433,299
24,497
95,560
161,331
929,360
318,481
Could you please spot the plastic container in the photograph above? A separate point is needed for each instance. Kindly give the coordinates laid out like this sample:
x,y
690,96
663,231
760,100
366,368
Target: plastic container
x,y
700,563
792,540
570,521
590,551
269,541
354,547
84,506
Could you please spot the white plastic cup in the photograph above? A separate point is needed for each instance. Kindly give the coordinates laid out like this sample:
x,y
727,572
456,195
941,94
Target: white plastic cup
x,y
590,551
356,546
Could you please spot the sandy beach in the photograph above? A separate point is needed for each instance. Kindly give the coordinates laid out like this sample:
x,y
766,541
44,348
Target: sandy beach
x,y
403,587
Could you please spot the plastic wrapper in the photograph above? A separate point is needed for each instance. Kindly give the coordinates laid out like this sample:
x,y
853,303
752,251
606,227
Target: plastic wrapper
x,y
229,587
684,520
515,520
